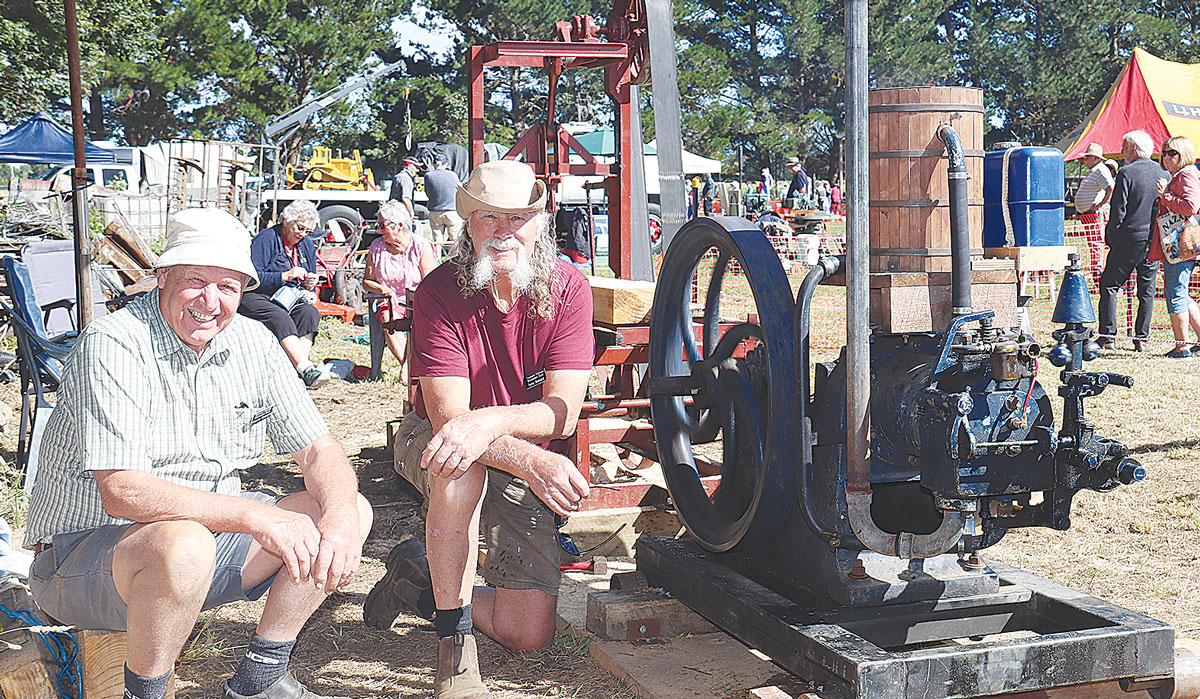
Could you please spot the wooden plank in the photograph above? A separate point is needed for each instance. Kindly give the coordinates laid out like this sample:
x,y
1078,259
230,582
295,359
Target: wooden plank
x,y
104,665
108,251
1035,258
134,244
620,301
706,665
628,615
920,301
792,690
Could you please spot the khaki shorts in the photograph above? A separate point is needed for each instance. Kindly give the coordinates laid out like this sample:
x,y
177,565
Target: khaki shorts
x,y
444,227
72,580
522,543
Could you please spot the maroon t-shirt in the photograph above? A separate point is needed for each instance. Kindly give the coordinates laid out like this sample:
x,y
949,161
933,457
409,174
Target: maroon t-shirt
x,y
505,355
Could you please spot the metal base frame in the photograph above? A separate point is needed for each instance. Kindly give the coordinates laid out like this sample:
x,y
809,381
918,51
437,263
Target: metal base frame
x,y
1032,634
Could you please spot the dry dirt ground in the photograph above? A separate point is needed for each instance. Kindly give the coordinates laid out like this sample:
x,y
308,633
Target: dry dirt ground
x,y
1138,546
337,654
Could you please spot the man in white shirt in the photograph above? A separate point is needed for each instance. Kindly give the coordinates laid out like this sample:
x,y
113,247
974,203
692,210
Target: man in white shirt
x,y
1091,201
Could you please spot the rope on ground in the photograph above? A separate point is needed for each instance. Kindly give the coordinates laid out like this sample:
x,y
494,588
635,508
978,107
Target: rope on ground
x,y
71,668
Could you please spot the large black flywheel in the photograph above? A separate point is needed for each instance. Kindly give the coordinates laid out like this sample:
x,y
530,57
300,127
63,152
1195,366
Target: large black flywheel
x,y
746,402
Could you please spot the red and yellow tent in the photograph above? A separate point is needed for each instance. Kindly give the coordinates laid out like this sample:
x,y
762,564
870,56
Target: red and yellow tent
x,y
1160,97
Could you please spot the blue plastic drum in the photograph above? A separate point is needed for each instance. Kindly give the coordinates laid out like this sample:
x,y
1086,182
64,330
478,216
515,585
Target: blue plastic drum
x,y
1035,197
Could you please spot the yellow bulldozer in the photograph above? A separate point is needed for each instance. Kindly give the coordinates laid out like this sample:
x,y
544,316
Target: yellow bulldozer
x,y
324,171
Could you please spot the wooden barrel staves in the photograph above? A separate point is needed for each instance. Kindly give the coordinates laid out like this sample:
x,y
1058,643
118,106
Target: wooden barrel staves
x,y
910,204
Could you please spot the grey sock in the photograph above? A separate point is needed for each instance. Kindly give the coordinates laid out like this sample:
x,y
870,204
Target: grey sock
x,y
138,687
264,663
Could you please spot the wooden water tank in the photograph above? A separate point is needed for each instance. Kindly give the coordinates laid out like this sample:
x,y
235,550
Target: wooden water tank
x,y
910,205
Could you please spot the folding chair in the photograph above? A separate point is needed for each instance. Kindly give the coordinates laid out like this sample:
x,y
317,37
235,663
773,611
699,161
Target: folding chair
x,y
40,360
51,265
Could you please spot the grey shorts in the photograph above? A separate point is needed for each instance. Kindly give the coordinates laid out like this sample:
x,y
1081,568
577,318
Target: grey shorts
x,y
72,580
522,544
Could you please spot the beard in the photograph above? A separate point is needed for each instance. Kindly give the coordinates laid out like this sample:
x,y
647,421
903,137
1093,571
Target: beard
x,y
484,270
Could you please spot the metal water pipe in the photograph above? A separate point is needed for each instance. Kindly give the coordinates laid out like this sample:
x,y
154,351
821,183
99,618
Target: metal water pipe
x,y
858,338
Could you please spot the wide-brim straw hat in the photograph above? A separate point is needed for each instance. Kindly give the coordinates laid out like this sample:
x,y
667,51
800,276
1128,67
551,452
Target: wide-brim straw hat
x,y
209,238
1095,149
503,186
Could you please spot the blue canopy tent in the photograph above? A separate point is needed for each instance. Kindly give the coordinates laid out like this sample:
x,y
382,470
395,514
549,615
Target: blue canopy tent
x,y
40,139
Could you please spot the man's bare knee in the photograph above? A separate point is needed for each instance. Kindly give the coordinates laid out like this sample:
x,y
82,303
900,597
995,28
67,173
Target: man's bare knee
x,y
525,639
524,621
180,556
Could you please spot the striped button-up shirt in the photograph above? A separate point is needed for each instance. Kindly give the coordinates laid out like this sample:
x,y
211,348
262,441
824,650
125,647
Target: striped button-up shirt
x,y
135,397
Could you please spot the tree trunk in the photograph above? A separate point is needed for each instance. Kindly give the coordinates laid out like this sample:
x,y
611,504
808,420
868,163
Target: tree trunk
x,y
95,121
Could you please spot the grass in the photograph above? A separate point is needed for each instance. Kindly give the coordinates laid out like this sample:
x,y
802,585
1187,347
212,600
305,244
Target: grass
x,y
205,644
13,503
1136,545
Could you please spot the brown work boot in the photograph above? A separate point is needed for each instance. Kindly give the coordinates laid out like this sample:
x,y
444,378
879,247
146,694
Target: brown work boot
x,y
458,669
405,585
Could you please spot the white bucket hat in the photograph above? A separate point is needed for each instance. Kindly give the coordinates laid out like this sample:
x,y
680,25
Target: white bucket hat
x,y
208,237
503,186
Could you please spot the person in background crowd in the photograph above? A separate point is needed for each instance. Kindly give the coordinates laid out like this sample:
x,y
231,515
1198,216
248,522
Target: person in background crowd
x,y
1091,199
397,261
578,245
1128,239
768,182
285,255
693,198
441,185
799,187
835,199
708,194
1181,196
403,186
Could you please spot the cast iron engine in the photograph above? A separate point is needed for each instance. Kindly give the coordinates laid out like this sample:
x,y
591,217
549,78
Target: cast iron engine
x,y
963,441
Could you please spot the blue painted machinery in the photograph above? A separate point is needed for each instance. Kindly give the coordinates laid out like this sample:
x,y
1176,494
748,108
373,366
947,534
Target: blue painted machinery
x,y
847,576
963,443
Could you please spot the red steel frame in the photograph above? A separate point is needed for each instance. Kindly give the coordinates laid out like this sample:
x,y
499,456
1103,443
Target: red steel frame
x,y
546,145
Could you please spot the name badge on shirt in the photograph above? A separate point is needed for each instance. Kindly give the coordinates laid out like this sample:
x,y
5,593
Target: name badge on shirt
x,y
535,379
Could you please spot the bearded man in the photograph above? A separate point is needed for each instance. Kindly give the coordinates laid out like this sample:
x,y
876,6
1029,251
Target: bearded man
x,y
502,352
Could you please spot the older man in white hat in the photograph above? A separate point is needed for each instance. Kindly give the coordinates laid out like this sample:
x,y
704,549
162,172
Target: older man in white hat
x,y
1096,188
138,516
502,351
1091,199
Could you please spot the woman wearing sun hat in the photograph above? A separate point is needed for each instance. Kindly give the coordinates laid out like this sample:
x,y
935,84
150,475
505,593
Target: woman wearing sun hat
x,y
1180,196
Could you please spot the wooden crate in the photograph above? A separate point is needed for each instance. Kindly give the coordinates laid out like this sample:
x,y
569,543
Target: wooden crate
x,y
1035,258
908,175
619,301
903,302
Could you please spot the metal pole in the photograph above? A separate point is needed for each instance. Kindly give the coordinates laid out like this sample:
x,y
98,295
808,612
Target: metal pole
x,y
672,192
858,348
79,216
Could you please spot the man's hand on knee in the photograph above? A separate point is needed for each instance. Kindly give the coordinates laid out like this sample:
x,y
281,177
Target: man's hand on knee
x,y
557,482
458,444
292,537
340,549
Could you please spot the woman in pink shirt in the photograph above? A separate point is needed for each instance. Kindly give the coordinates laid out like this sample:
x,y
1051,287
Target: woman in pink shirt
x,y
397,262
1182,197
